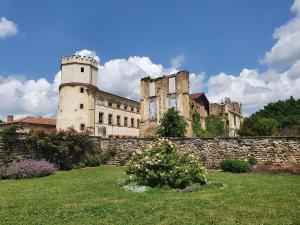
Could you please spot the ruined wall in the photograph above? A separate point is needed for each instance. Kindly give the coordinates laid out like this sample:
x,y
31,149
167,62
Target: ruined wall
x,y
267,150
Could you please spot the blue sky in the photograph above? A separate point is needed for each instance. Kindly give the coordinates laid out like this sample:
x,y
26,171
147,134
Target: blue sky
x,y
215,40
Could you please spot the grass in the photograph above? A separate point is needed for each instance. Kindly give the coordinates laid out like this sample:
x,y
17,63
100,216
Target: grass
x,y
92,196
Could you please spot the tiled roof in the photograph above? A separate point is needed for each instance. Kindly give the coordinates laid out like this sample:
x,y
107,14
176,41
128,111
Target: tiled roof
x,y
36,120
196,95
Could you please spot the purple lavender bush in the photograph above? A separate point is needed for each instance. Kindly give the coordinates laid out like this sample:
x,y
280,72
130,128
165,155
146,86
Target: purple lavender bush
x,y
30,168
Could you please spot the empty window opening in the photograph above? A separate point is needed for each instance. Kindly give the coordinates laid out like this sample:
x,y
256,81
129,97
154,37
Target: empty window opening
x,y
138,123
125,121
81,106
82,127
132,122
81,90
100,117
118,120
110,119
82,69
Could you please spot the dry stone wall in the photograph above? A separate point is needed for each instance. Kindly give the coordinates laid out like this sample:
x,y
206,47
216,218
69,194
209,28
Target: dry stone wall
x,y
266,150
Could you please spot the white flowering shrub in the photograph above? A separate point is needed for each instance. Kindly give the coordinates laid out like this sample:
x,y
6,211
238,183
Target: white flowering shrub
x,y
163,165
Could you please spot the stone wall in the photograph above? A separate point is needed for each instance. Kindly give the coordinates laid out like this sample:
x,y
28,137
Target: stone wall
x,y
267,150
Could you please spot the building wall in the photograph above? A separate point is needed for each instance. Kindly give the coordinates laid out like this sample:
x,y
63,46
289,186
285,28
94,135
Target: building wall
x,y
159,95
108,104
232,111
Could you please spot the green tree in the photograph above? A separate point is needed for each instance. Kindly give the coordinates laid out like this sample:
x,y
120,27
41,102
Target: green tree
x,y
216,126
172,124
258,126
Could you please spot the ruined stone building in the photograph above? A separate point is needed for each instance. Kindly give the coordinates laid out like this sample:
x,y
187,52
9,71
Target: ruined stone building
x,y
83,106
159,94
232,111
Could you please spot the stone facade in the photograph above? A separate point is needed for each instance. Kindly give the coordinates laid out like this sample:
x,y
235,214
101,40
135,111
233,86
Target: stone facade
x,y
82,106
232,111
211,151
157,95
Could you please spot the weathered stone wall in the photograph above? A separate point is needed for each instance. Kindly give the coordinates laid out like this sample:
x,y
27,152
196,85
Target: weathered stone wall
x,y
17,151
267,150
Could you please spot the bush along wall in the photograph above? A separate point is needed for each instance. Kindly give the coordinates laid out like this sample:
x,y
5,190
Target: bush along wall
x,y
66,149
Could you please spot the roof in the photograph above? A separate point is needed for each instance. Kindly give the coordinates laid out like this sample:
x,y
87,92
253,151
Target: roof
x,y
197,95
36,120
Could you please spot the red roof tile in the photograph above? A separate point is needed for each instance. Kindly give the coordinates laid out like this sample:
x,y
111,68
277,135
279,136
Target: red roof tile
x,y
196,95
36,120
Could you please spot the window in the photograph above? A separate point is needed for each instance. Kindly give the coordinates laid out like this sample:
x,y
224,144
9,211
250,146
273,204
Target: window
x,y
125,107
125,121
118,120
137,110
132,122
81,106
82,69
234,120
172,103
82,127
100,117
81,90
110,119
132,109
172,87
138,123
118,106
152,89
110,104
152,110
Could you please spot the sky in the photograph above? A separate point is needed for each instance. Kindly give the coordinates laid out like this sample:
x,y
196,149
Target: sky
x,y
247,50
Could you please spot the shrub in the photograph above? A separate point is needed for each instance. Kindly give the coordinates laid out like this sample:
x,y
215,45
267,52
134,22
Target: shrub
x,y
3,173
172,124
67,149
107,155
92,161
30,168
235,166
163,165
252,161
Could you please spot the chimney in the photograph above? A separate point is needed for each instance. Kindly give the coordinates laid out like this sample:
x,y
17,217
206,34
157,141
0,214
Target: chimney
x,y
10,119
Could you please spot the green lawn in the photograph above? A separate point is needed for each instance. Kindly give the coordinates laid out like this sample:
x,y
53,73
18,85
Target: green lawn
x,y
92,196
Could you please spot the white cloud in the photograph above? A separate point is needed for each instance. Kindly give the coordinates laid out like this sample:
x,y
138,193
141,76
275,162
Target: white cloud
x,y
287,48
177,61
85,52
7,28
122,76
28,97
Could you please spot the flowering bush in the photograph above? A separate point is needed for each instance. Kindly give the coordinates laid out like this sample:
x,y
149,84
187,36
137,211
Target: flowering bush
x,y
30,168
163,165
67,149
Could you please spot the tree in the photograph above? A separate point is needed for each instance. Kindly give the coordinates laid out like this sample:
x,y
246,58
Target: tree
x,y
172,124
258,126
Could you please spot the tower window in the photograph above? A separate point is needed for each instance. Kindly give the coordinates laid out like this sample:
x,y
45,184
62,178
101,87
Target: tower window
x,y
125,121
118,120
100,117
82,69
132,122
81,90
138,123
81,106
110,119
82,127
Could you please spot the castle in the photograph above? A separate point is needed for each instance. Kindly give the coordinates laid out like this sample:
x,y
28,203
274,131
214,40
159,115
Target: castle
x,y
83,106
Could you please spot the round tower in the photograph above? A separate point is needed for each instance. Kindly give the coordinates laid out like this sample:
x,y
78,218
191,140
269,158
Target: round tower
x,y
76,107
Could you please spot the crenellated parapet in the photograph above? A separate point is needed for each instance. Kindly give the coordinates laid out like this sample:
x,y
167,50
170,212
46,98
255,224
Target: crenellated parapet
x,y
79,59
